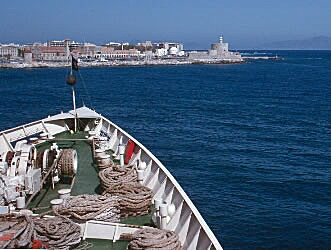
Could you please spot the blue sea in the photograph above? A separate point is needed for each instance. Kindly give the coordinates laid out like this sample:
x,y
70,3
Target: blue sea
x,y
249,143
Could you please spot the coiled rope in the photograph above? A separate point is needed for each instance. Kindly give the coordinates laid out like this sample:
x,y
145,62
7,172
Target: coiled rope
x,y
90,207
117,175
59,232
24,240
56,233
134,198
104,166
153,238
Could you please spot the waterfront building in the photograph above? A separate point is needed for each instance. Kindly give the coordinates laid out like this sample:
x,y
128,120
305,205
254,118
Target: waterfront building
x,y
164,45
74,45
8,51
88,49
161,52
53,54
173,51
77,52
63,43
27,56
55,43
119,54
103,52
148,55
219,51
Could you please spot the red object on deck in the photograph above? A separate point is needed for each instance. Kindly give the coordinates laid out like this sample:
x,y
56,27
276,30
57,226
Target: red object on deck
x,y
7,237
37,244
128,151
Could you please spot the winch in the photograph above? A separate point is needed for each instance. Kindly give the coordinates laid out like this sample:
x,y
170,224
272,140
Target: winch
x,y
24,171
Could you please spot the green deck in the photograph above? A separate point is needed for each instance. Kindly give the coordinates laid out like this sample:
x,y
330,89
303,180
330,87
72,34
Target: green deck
x,y
86,182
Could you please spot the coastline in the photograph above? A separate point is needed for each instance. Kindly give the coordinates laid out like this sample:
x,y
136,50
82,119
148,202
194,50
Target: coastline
x,y
116,63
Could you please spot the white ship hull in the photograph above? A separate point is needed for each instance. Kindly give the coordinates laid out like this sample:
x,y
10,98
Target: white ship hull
x,y
186,221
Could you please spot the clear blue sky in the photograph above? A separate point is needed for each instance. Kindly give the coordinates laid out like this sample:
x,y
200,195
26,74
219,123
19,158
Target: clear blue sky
x,y
196,23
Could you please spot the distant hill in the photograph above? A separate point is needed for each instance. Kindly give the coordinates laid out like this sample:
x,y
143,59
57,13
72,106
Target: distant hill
x,y
315,43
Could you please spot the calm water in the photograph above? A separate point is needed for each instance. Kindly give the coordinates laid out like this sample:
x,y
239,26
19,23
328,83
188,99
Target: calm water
x,y
250,144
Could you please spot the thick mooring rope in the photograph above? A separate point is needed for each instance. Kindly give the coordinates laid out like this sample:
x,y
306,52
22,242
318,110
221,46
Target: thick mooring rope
x,y
24,240
134,198
117,175
153,238
54,233
109,165
58,232
90,207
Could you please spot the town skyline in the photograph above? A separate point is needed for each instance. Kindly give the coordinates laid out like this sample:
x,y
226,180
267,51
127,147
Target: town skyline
x,y
58,53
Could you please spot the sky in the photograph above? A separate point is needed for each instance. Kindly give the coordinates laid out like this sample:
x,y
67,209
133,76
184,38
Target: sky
x,y
243,23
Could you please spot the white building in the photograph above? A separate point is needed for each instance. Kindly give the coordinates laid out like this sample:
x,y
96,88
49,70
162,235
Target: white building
x,y
63,43
8,50
219,51
181,53
27,56
89,49
173,51
161,52
110,53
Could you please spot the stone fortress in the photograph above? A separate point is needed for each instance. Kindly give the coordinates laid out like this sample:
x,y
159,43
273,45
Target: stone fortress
x,y
218,52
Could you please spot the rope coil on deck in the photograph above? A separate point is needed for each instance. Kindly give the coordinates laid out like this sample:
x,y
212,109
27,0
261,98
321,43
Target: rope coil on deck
x,y
67,163
54,233
59,232
90,207
134,198
104,166
24,240
153,238
117,175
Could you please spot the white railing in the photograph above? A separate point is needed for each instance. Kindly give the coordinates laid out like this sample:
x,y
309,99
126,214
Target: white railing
x,y
187,222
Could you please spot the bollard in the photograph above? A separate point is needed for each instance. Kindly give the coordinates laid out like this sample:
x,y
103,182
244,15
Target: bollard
x,y
104,160
99,152
121,150
64,193
140,176
157,203
56,203
20,202
163,215
171,209
142,165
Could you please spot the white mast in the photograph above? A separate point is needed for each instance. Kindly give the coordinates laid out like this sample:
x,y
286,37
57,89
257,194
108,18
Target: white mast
x,y
71,80
74,104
